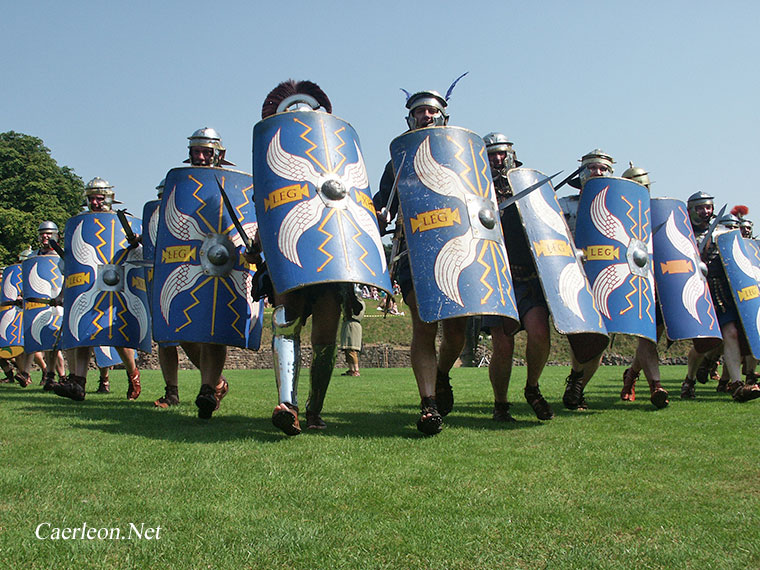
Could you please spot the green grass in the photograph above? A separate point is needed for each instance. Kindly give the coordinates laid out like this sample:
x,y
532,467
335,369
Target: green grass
x,y
620,486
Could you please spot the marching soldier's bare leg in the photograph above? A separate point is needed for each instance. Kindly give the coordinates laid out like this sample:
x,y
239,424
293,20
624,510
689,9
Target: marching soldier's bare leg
x,y
500,371
324,326
425,367
133,373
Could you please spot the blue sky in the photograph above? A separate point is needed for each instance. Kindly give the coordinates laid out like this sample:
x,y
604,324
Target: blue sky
x,y
115,89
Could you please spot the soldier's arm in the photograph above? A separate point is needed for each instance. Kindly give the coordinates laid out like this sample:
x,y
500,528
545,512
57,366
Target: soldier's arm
x,y
380,200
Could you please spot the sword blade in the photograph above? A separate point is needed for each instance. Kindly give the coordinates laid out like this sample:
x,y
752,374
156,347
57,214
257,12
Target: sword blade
x,y
509,201
709,233
233,214
568,179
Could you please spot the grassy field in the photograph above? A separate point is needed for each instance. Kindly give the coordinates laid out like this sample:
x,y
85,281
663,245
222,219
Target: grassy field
x,y
620,486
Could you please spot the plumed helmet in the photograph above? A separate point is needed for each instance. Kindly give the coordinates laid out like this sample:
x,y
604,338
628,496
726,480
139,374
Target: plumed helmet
x,y
294,95
430,99
207,137
596,156
25,254
697,199
637,175
160,187
100,186
48,226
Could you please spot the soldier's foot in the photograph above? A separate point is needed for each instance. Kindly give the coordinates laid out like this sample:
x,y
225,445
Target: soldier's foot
x,y
573,397
539,404
430,422
50,382
315,421
72,387
688,389
23,379
742,392
628,393
659,397
104,386
501,412
221,391
133,385
170,398
206,402
285,418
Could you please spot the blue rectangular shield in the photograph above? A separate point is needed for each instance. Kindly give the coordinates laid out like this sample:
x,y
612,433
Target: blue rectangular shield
x,y
451,224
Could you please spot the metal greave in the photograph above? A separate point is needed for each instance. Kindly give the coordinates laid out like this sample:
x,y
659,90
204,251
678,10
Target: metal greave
x,y
286,354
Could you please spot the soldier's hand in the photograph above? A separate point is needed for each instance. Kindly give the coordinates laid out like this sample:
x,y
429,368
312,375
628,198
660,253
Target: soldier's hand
x,y
383,219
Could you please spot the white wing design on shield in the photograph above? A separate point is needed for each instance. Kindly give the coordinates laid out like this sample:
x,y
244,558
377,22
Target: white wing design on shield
x,y
460,252
302,217
437,177
242,283
609,279
612,276
79,307
454,257
42,287
571,283
546,213
694,288
250,229
607,224
138,311
85,255
43,319
306,214
9,289
181,279
181,226
743,261
6,321
355,174
365,221
82,251
290,166
153,226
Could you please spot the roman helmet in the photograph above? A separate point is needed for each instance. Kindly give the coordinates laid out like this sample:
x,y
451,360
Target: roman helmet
x,y
596,156
430,99
100,186
160,187
498,142
697,199
637,175
49,226
209,138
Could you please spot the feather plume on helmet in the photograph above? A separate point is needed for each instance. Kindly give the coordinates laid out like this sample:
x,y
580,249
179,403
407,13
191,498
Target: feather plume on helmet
x,y
295,93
